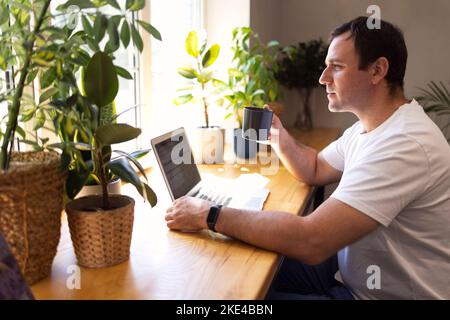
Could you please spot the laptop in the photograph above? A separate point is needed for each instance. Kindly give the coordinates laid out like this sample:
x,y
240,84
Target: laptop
x,y
182,177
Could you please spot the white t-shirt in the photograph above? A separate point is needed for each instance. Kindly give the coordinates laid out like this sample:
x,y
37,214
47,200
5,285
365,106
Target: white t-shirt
x,y
399,175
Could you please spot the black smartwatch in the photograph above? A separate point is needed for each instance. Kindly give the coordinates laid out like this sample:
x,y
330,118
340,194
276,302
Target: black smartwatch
x,y
212,216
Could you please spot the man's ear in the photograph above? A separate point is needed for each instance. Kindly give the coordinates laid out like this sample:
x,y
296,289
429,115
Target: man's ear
x,y
379,69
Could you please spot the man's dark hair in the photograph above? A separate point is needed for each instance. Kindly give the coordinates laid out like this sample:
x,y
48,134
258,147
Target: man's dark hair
x,y
371,44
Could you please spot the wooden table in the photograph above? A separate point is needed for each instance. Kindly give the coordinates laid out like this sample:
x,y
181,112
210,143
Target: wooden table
x,y
173,265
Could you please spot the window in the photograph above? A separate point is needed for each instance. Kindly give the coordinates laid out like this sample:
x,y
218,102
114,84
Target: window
x,y
128,98
155,71
174,19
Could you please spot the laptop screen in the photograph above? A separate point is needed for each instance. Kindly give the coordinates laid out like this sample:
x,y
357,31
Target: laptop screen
x,y
177,163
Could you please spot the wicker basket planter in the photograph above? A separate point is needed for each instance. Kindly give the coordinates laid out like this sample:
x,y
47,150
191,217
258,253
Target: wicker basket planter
x,y
101,238
31,202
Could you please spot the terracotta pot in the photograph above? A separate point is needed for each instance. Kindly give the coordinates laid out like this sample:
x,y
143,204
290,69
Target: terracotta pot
x,y
101,238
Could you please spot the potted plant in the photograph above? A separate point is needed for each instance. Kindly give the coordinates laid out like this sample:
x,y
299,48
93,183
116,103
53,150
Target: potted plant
x,y
101,225
31,183
35,52
251,82
436,103
300,67
208,141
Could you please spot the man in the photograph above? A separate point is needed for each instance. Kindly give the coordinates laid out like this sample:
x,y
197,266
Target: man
x,y
389,218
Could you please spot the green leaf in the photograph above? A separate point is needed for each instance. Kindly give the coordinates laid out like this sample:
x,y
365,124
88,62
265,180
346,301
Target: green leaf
x,y
273,43
235,73
150,29
82,146
100,25
4,16
150,195
116,133
92,44
135,5
204,76
76,178
183,99
134,161
113,3
137,40
188,73
123,169
27,114
114,41
123,73
47,78
211,55
39,120
32,75
272,95
44,140
125,34
219,84
87,26
257,92
20,132
192,44
100,80
47,94
140,153
32,143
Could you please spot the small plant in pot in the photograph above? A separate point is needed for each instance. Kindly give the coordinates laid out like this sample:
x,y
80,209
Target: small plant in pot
x,y
101,225
251,83
208,141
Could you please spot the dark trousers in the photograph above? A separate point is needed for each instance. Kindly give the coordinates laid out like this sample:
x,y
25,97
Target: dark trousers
x,y
298,281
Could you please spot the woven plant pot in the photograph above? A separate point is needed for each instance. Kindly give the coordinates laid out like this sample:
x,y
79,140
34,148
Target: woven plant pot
x,y
31,202
101,238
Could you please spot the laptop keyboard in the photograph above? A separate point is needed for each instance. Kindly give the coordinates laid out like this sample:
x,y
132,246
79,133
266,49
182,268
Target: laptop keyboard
x,y
215,197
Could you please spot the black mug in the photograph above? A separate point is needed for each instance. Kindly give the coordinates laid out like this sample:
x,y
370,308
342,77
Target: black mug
x,y
256,124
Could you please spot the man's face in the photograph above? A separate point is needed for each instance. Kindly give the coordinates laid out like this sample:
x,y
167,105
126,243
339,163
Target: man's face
x,y
347,87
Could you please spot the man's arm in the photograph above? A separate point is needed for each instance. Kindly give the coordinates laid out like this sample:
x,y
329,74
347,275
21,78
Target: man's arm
x,y
310,239
302,162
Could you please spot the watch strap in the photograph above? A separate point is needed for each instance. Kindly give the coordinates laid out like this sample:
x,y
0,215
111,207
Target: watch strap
x,y
213,215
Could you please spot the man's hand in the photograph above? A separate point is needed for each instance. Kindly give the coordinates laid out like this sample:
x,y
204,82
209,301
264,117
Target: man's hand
x,y
188,214
277,131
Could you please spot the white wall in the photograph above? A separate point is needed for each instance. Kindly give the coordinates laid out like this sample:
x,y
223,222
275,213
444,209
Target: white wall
x,y
425,24
265,19
221,18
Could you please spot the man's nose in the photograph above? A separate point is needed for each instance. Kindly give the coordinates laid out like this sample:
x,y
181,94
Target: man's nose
x,y
325,78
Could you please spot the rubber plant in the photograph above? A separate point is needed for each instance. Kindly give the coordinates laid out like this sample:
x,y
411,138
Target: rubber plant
x,y
101,86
